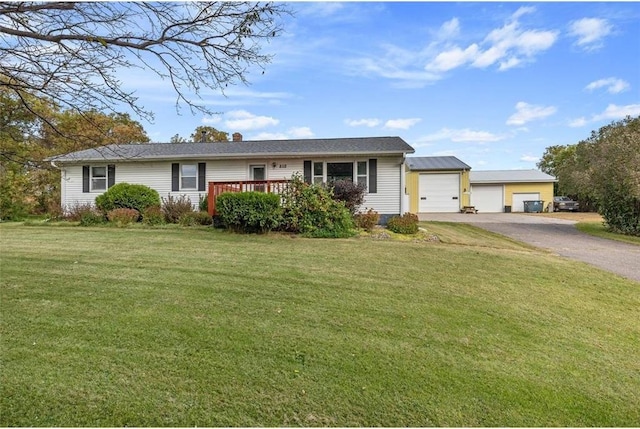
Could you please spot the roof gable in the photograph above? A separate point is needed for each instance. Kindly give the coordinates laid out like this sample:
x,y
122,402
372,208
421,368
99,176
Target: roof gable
x,y
243,149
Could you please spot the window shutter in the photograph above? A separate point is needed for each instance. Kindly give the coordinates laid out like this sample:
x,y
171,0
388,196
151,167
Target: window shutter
x,y
111,175
175,176
85,178
202,176
373,176
307,172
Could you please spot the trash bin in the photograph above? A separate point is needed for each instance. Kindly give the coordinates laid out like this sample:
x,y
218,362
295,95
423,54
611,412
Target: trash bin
x,y
507,209
534,206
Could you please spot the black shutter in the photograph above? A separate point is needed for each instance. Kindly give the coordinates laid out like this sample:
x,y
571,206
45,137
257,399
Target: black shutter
x,y
307,172
373,176
85,178
175,176
202,176
111,175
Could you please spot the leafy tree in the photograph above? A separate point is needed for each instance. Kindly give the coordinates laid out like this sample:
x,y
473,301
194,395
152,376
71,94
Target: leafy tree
x,y
28,137
553,162
210,135
605,168
177,138
71,52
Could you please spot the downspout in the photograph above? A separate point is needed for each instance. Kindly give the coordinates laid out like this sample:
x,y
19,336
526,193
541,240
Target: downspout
x,y
402,185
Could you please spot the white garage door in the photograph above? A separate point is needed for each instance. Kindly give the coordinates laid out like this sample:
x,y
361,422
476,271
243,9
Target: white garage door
x,y
439,193
487,198
519,199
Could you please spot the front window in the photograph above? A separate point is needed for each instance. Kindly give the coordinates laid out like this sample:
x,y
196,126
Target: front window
x,y
188,176
98,178
318,173
362,173
339,171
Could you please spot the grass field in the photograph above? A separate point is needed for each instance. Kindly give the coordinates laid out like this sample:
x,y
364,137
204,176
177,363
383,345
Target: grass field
x,y
196,327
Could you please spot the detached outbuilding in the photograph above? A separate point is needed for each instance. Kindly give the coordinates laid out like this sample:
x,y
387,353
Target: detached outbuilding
x,y
495,191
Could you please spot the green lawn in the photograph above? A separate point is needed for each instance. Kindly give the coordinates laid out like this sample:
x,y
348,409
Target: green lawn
x,y
599,230
186,327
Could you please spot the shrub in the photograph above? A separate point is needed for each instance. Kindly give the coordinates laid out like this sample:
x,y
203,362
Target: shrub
x,y
352,194
249,211
153,215
91,217
174,208
128,196
123,217
405,224
74,212
204,203
196,218
311,210
367,220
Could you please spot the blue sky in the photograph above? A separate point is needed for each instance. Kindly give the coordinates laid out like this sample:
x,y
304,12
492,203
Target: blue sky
x,y
491,83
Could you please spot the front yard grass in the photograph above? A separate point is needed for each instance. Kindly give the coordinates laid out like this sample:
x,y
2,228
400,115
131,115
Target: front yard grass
x,y
186,327
599,230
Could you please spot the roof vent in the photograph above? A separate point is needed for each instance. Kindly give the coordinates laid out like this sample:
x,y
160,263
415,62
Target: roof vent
x,y
203,136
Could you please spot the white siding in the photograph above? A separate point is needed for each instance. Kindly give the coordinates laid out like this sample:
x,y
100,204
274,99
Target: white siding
x,y
157,175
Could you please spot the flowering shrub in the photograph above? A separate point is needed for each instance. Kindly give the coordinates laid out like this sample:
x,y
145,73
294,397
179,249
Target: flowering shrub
x,y
123,216
153,215
367,220
405,224
175,207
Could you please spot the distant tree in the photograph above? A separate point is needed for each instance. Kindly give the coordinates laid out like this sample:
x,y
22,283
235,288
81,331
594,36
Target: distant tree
x,y
177,138
27,138
553,161
210,135
71,52
605,169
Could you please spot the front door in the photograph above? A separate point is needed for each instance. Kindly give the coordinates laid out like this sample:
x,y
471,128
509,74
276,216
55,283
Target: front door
x,y
257,172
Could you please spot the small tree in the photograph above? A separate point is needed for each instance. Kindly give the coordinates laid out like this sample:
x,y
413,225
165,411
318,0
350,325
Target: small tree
x,y
352,194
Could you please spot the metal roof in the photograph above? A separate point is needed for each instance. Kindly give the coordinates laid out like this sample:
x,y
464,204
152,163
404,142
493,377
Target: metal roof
x,y
432,163
509,176
243,149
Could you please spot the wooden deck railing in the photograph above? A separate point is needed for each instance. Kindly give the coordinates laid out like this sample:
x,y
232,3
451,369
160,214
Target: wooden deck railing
x,y
217,188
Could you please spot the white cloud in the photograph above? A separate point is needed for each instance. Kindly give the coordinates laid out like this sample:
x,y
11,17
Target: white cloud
x,y
612,84
529,158
528,112
507,46
370,122
590,32
215,119
242,120
615,112
402,124
291,133
453,58
462,135
449,29
578,122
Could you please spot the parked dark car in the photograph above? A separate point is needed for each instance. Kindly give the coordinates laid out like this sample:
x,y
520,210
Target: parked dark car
x,y
565,204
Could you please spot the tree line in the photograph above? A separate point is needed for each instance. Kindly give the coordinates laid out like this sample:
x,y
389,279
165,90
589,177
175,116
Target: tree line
x,y
602,172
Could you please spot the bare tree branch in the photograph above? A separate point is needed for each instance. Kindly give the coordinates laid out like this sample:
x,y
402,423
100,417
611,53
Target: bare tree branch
x,y
70,52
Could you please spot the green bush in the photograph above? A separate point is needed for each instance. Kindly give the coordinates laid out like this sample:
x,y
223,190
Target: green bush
x,y
92,217
204,203
249,211
153,216
123,217
174,208
621,213
311,210
74,212
128,196
196,218
405,224
367,220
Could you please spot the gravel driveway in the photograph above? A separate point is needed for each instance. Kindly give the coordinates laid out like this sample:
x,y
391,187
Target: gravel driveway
x,y
558,235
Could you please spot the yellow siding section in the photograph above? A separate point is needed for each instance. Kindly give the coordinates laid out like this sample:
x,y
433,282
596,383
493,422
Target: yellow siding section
x,y
545,190
413,180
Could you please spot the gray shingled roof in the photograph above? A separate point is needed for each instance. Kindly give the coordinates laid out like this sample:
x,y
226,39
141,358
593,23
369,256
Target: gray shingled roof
x,y
432,163
509,176
169,151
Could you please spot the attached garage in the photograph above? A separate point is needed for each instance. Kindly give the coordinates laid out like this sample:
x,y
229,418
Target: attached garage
x,y
487,198
516,187
439,193
437,184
